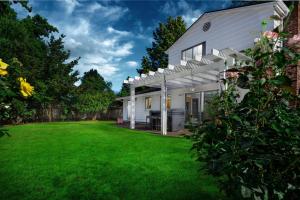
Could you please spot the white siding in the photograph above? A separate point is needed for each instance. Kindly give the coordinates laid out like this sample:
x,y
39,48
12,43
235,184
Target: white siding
x,y
125,109
235,29
177,101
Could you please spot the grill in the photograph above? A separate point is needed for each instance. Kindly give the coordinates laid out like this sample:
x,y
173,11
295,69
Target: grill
x,y
175,119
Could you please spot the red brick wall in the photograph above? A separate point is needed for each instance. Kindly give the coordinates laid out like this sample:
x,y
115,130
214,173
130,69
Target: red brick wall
x,y
293,28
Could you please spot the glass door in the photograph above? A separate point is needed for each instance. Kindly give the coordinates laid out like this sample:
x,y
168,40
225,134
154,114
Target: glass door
x,y
197,106
193,107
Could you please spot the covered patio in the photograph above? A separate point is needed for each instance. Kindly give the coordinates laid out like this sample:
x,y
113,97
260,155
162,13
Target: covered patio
x,y
189,74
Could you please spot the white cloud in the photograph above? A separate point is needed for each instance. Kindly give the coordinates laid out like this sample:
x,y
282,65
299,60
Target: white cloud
x,y
95,6
132,64
113,12
122,33
122,50
93,35
107,42
107,70
81,28
72,43
190,18
188,13
169,8
70,5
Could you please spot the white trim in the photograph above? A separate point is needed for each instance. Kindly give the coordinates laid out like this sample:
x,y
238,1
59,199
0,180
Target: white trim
x,y
214,62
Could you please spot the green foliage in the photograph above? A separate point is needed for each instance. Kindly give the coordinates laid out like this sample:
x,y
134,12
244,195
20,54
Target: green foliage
x,y
125,90
94,95
253,146
43,61
163,37
93,103
92,81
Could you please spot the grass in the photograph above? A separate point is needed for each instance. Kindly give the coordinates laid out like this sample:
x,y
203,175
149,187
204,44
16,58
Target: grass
x,y
97,160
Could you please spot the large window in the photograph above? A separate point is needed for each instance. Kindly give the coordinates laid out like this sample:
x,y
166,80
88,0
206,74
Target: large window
x,y
194,53
197,105
148,102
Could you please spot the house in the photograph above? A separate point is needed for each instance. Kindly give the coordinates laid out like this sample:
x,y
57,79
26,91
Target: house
x,y
197,61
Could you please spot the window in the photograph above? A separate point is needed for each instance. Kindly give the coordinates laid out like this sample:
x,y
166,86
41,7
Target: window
x,y
194,53
148,102
169,102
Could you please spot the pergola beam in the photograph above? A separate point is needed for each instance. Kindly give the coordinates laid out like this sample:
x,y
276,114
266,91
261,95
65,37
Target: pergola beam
x,y
207,76
179,83
181,72
196,78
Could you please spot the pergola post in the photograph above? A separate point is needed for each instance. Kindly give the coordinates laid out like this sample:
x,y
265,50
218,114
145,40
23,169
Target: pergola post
x,y
132,107
163,107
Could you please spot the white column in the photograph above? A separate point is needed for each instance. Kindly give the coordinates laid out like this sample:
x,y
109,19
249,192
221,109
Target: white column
x,y
202,106
163,126
132,101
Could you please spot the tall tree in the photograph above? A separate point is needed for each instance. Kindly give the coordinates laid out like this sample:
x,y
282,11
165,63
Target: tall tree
x,y
163,37
92,81
94,94
43,57
59,77
125,90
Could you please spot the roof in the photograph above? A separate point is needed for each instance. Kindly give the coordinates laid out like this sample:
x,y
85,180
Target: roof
x,y
277,4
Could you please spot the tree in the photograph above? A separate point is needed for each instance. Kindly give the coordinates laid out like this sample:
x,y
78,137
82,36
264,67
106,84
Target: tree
x,y
43,59
92,81
125,90
58,76
164,36
254,146
94,94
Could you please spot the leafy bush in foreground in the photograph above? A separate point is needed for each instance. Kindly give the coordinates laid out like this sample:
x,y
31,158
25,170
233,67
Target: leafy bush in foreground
x,y
253,146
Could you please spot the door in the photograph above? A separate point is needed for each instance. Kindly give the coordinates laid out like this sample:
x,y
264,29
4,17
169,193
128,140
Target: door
x,y
192,107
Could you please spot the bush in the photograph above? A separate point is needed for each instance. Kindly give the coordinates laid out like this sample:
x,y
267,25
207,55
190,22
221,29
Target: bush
x,y
13,92
253,146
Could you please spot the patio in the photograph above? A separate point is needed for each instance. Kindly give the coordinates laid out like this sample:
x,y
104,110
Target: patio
x,y
190,74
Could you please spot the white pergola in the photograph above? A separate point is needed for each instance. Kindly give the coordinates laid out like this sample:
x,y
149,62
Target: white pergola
x,y
188,74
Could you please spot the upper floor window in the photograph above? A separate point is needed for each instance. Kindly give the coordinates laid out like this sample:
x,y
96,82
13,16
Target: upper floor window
x,y
194,53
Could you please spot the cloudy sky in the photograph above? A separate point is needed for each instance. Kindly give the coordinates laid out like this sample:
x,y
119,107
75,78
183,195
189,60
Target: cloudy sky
x,y
111,36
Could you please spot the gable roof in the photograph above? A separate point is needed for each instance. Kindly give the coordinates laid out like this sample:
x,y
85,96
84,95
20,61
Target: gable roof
x,y
279,6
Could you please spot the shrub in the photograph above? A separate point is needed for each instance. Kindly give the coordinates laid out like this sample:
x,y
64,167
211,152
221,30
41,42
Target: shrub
x,y
253,146
13,91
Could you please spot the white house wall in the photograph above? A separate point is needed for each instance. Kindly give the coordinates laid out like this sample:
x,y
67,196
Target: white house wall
x,y
177,101
236,29
125,113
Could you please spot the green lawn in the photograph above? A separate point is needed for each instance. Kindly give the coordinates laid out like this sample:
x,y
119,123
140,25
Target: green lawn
x,y
97,160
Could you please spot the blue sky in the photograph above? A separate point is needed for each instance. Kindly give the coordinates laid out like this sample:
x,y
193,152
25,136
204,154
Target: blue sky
x,y
111,36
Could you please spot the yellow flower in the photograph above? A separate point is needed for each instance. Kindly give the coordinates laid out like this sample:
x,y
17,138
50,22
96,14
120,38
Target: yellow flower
x,y
25,88
3,67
